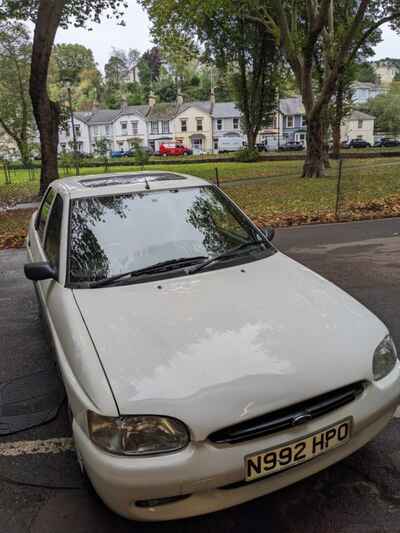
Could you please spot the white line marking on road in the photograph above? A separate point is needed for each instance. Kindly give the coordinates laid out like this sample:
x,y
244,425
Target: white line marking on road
x,y
33,447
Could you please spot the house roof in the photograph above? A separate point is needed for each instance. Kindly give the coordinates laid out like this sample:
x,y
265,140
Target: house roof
x,y
104,116
140,110
83,116
225,110
359,115
204,105
291,106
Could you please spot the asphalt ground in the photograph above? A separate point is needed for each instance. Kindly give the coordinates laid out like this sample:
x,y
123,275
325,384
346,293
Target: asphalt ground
x,y
41,488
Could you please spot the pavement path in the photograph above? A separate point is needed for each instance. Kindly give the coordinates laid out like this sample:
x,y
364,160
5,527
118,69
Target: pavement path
x,y
41,490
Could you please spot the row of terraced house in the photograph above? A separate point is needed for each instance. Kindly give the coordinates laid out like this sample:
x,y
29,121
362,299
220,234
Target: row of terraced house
x,y
198,125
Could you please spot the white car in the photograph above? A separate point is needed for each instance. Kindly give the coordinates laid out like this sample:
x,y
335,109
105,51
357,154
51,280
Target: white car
x,y
203,368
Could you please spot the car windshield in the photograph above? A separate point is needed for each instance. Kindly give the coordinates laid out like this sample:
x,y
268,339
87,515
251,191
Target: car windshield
x,y
111,235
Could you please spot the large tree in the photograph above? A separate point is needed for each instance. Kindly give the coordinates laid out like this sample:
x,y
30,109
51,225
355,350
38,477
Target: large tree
x,y
245,49
48,16
16,117
311,32
71,59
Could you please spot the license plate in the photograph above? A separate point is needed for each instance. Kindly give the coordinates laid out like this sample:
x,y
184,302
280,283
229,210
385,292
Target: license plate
x,y
270,461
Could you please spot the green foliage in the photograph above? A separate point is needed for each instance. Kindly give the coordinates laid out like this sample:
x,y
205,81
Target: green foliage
x,y
386,110
16,117
239,47
71,60
248,155
365,72
140,154
102,150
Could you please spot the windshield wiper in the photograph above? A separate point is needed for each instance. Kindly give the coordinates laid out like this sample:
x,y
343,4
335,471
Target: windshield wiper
x,y
225,255
170,264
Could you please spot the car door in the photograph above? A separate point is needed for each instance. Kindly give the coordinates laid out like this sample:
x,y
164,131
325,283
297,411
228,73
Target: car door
x,y
48,242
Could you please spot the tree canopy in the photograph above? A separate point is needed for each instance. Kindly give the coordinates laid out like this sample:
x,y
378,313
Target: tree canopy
x,y
16,117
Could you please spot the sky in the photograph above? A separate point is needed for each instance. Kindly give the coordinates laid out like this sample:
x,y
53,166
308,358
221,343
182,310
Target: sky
x,y
136,34
108,35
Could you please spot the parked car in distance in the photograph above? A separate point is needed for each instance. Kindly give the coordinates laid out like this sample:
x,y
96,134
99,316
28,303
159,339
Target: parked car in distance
x,y
387,143
174,149
203,368
123,153
291,146
229,143
261,147
356,143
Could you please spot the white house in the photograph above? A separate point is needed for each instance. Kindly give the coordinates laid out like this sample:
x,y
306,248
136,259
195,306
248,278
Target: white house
x,y
226,123
159,119
118,126
364,91
81,122
192,125
129,124
385,70
358,125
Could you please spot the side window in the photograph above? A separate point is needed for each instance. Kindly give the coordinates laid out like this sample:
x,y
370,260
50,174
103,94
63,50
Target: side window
x,y
44,213
53,233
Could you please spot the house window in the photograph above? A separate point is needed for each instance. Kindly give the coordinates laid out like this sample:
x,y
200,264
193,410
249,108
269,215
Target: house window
x,y
290,121
67,132
108,130
78,130
121,144
199,124
165,126
183,124
154,126
63,147
219,124
135,127
124,128
360,123
96,131
235,123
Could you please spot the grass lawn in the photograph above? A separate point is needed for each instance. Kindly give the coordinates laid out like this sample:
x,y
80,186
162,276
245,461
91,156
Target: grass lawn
x,y
271,192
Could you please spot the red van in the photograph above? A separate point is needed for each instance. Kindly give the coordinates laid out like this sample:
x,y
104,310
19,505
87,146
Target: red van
x,y
174,149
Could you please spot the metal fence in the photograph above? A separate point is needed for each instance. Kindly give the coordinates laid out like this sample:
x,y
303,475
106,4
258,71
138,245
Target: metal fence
x,y
351,188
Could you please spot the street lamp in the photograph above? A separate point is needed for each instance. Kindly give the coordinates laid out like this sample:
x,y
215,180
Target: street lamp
x,y
71,112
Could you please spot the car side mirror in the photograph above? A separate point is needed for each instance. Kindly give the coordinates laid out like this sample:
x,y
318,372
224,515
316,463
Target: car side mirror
x,y
269,232
39,271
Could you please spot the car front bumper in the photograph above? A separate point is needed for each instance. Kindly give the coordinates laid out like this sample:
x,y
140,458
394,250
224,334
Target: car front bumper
x,y
205,471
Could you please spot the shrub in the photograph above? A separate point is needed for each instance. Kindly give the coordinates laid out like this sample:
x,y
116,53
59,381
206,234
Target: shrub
x,y
248,155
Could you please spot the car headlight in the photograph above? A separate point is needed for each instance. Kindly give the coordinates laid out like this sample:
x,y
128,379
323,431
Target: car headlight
x,y
137,435
384,358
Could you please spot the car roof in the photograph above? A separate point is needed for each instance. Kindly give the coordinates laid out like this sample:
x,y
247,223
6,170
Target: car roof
x,y
124,182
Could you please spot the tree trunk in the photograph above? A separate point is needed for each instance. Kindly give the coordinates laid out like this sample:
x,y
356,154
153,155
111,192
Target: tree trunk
x,y
314,164
47,113
251,139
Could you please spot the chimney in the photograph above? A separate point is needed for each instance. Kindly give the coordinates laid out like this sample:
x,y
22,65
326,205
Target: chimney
x,y
179,98
152,100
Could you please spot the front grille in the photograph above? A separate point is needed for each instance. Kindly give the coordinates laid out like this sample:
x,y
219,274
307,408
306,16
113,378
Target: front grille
x,y
283,418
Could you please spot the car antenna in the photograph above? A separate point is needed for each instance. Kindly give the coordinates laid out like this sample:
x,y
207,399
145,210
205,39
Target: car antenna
x,y
147,184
